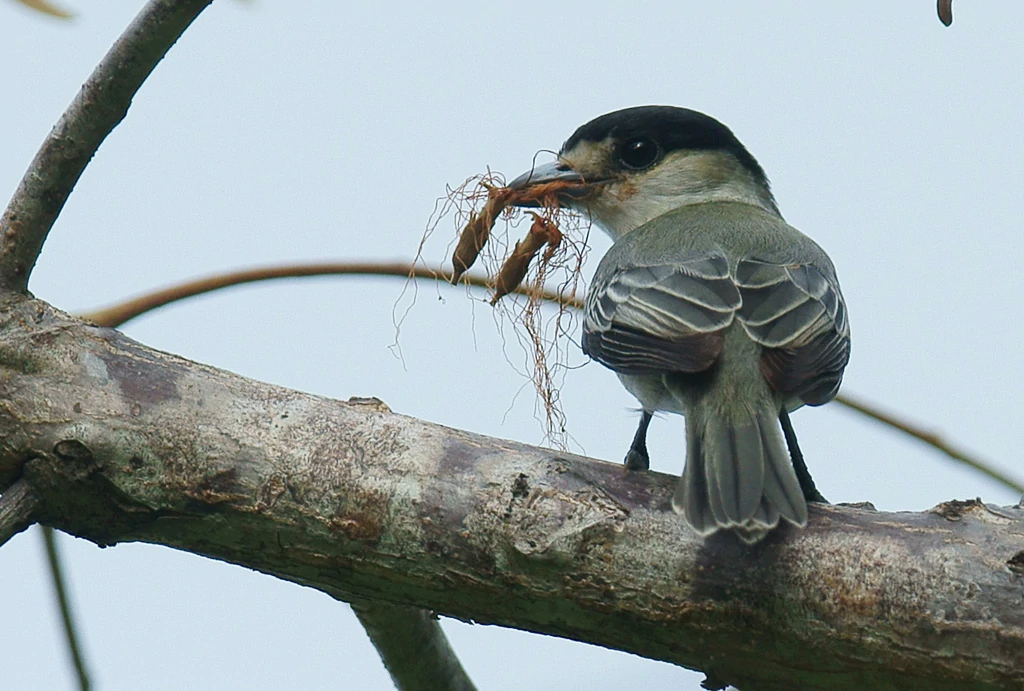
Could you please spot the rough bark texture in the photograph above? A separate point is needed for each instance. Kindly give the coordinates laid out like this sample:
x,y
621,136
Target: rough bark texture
x,y
16,506
123,443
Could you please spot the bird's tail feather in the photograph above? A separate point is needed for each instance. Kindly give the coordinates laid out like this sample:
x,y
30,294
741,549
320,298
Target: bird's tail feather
x,y
738,476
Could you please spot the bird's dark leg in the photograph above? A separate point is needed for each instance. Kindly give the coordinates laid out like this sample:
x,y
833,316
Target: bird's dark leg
x,y
811,492
637,457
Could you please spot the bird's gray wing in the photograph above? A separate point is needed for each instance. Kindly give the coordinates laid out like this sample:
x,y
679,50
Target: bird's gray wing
x,y
798,314
662,318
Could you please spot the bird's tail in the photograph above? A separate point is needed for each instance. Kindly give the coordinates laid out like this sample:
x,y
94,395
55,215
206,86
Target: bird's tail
x,y
738,476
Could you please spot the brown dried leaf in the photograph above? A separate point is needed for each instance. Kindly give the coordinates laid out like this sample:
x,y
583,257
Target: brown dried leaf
x,y
513,271
945,9
474,236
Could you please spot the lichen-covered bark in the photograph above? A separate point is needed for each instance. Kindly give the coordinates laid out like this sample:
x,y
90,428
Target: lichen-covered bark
x,y
122,443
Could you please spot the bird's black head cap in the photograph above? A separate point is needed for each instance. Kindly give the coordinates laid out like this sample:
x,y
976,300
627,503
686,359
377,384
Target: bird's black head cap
x,y
672,128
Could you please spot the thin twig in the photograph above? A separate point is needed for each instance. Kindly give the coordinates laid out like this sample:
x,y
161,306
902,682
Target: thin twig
x,y
47,8
57,574
17,504
99,106
931,439
117,315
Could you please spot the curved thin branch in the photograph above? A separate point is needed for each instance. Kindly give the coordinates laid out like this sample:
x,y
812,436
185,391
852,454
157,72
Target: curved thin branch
x,y
97,109
17,504
931,439
118,314
60,591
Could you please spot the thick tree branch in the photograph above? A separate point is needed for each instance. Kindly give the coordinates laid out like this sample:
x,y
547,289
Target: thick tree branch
x,y
131,444
100,105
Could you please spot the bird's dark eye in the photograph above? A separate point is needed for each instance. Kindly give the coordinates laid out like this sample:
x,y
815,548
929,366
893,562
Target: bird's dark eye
x,y
638,153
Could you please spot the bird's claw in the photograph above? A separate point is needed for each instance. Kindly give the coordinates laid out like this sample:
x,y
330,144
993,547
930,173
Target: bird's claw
x,y
637,459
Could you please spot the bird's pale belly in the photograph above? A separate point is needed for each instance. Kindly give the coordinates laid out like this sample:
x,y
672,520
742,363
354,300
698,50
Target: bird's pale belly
x,y
655,392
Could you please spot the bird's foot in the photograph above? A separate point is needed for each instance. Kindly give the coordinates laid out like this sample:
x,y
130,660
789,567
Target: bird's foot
x,y
637,459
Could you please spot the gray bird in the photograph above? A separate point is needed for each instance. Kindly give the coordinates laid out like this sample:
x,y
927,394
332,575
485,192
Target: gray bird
x,y
708,304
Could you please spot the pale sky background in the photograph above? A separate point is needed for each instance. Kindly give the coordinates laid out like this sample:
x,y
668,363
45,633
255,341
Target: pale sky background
x,y
279,131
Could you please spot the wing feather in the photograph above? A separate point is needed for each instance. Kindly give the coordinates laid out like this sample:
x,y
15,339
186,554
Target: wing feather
x,y
797,313
662,318
672,318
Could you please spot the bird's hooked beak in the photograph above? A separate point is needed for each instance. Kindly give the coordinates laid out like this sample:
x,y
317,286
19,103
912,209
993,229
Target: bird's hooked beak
x,y
555,178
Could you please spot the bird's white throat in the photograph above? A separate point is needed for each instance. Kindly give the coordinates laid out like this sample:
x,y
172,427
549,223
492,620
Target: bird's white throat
x,y
682,179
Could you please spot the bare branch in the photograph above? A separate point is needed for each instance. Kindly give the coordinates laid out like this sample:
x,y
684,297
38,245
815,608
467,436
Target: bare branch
x,y
97,109
47,8
118,314
133,444
931,439
66,615
17,504
413,647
